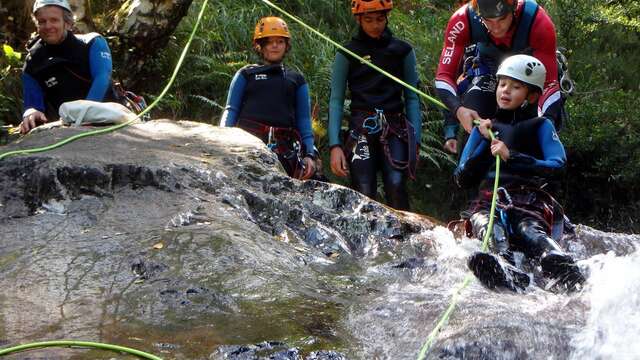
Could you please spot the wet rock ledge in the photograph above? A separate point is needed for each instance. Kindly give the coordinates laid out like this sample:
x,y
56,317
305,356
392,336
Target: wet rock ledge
x,y
187,241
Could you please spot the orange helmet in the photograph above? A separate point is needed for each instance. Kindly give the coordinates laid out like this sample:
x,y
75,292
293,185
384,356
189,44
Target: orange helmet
x,y
271,26
367,6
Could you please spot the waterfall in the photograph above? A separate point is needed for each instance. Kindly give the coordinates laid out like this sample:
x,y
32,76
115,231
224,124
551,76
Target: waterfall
x,y
613,322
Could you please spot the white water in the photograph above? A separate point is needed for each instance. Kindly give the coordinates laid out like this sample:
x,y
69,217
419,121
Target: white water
x,y
612,330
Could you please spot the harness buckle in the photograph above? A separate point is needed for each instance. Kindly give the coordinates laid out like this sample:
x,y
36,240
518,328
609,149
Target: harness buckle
x,y
374,124
502,191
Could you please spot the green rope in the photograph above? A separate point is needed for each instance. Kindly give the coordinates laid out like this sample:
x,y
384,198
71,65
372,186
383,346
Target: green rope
x,y
485,242
467,280
84,344
69,343
368,63
120,126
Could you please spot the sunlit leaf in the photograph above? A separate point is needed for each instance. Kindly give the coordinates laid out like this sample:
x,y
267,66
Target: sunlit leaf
x,y
10,53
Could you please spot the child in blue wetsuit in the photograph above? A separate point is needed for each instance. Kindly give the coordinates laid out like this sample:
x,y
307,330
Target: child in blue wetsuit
x,y
272,102
529,220
379,138
62,66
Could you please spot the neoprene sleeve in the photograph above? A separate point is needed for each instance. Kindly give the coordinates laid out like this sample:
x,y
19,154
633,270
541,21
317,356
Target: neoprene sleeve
x,y
234,100
101,67
339,72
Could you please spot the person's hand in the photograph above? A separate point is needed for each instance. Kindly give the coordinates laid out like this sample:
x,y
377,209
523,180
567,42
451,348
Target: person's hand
x,y
484,127
451,146
466,116
309,168
339,162
498,148
31,121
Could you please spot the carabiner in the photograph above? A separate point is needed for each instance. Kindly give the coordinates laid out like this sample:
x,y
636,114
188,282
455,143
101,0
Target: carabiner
x,y
506,195
372,123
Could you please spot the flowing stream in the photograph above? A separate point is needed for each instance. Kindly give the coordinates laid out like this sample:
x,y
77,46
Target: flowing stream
x,y
196,246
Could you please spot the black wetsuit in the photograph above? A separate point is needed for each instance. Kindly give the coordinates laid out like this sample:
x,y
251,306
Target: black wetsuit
x,y
271,102
528,217
77,68
372,149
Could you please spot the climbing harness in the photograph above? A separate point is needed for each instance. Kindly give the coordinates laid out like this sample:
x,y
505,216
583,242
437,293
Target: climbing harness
x,y
141,115
507,198
78,344
133,102
285,142
467,280
404,131
377,124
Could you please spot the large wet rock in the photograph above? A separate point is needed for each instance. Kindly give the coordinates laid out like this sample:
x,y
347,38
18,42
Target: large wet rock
x,y
189,241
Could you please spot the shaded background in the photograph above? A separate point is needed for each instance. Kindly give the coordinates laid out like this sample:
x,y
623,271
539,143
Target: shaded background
x,y
601,137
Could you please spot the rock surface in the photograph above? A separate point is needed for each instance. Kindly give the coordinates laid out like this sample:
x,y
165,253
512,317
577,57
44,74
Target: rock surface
x,y
188,241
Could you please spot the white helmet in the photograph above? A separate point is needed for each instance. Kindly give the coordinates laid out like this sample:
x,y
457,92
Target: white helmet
x,y
525,68
42,3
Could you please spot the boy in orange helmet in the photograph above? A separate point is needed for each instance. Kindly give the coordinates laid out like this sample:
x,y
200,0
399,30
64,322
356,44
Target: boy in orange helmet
x,y
272,101
385,123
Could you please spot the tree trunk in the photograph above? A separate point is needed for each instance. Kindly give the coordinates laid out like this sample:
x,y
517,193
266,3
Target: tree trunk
x,y
140,30
143,28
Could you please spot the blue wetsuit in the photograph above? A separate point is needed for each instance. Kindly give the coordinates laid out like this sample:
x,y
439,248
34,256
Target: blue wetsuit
x,y
529,219
271,95
78,68
541,156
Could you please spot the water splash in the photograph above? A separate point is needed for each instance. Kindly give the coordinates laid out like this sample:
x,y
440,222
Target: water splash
x,y
613,324
447,246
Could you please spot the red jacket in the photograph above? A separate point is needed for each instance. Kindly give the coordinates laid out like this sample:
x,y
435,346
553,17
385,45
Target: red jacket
x,y
542,40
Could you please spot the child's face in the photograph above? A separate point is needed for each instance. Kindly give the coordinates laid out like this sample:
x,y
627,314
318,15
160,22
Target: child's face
x,y
274,49
373,23
510,93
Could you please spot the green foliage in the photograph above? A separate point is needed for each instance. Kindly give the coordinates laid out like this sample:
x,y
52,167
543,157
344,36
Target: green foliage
x,y
10,85
603,37
11,55
602,135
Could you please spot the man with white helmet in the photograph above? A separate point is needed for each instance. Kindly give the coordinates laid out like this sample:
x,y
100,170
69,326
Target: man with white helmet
x,y
62,66
529,220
